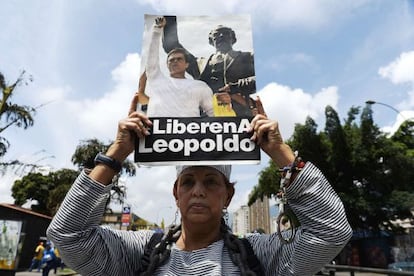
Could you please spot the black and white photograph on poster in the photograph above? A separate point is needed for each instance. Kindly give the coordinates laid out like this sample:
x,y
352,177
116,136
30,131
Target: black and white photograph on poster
x,y
197,66
208,141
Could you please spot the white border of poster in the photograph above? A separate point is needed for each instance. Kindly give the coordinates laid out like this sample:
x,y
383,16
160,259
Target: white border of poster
x,y
205,140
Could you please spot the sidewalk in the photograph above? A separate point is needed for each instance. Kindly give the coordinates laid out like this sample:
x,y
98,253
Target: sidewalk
x,y
32,273
359,274
35,273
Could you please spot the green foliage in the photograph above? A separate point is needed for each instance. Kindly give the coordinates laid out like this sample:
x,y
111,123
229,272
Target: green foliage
x,y
48,190
270,183
140,223
12,114
314,146
87,150
84,158
372,173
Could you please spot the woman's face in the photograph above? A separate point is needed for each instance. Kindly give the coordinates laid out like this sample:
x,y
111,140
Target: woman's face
x,y
201,194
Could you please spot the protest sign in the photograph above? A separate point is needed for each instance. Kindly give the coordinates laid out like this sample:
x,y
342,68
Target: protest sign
x,y
209,140
195,76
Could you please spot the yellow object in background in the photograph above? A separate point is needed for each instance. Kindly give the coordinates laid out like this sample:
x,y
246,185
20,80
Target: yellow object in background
x,y
222,110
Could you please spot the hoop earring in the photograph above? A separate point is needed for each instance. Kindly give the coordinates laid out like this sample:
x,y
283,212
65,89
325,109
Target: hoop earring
x,y
225,215
177,211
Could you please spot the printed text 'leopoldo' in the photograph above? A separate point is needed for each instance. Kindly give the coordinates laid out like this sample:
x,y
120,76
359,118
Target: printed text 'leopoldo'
x,y
208,140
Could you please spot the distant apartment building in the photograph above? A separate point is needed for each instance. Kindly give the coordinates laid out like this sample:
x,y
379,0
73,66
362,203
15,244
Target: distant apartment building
x,y
260,215
241,224
118,220
274,212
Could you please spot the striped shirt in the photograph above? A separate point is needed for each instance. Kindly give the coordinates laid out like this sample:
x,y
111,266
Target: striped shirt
x,y
91,249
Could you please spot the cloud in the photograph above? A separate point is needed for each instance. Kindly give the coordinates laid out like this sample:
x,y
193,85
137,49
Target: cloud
x,y
401,117
89,117
400,71
150,195
309,14
63,122
290,106
95,115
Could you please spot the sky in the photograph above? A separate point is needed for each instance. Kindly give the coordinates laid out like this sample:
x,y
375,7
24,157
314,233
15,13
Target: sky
x,y
85,57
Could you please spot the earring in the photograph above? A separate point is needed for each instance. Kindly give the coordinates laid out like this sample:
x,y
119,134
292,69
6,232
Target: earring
x,y
176,216
225,215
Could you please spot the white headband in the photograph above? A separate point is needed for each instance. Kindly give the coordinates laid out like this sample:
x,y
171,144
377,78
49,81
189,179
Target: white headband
x,y
224,169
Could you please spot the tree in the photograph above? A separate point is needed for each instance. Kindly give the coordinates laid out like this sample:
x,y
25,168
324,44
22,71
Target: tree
x,y
314,147
48,190
86,151
269,183
84,158
12,114
372,173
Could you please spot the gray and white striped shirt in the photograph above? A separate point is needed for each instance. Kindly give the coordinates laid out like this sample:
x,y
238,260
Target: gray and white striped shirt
x,y
91,249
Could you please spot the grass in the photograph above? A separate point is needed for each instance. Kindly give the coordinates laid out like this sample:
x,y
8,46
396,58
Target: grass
x,y
66,271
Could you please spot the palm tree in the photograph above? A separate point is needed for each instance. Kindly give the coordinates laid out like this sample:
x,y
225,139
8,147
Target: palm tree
x,y
84,157
12,114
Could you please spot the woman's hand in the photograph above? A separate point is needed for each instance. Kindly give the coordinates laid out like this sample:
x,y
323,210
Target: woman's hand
x,y
266,134
136,124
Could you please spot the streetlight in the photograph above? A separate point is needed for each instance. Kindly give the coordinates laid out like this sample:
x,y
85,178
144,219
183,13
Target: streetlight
x,y
371,102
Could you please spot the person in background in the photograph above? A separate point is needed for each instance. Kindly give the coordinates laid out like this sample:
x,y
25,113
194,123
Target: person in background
x,y
48,259
58,262
37,258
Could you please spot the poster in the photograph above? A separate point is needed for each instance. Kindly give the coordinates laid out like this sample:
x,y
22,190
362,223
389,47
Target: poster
x,y
200,68
126,216
182,141
9,241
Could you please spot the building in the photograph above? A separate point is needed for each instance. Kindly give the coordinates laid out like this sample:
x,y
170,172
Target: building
x,y
21,229
274,213
241,224
122,221
260,215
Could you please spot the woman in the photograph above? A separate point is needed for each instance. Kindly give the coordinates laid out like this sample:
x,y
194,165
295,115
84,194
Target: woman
x,y
202,245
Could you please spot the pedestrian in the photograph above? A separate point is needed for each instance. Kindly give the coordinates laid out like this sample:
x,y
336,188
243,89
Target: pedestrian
x,y
201,244
37,258
58,262
48,259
